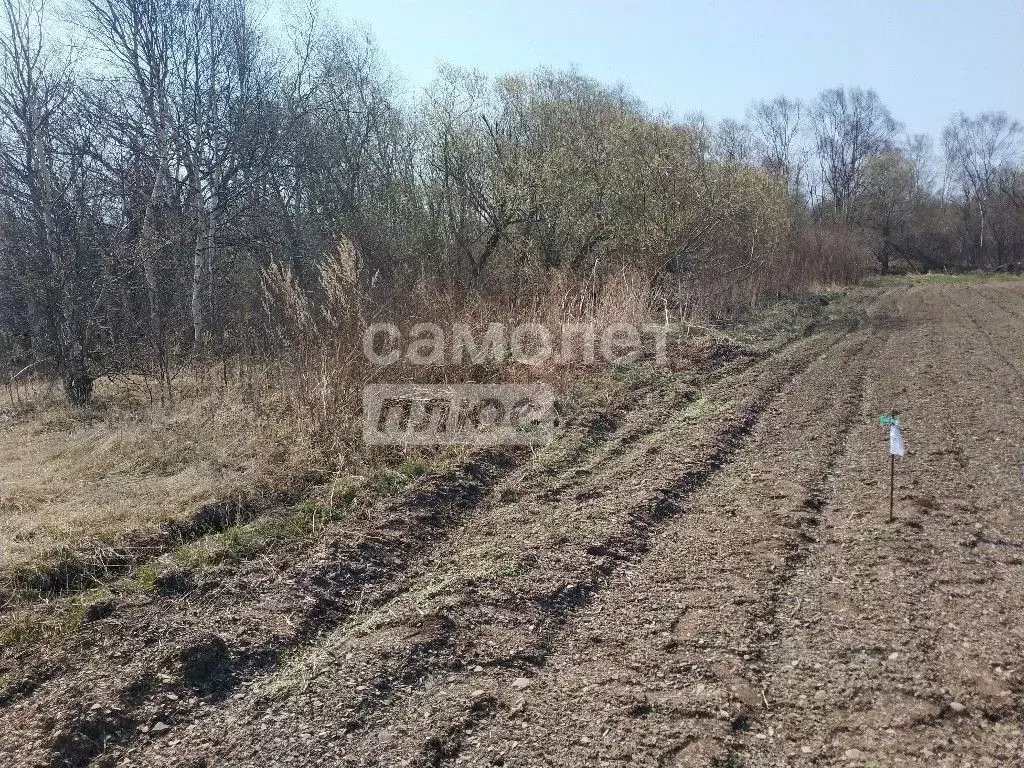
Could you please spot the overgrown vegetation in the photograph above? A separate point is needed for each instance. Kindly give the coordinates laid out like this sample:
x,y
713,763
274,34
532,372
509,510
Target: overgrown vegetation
x,y
184,188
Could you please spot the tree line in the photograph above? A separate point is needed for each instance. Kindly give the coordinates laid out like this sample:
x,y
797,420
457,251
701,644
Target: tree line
x,y
165,163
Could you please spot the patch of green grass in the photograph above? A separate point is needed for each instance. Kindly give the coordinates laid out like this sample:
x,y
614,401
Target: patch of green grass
x,y
884,281
346,495
23,628
770,327
240,542
414,467
939,278
946,278
146,576
384,482
73,616
32,626
316,513
638,376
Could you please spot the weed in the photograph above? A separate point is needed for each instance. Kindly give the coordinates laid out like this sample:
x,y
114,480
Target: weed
x,y
414,467
146,576
939,278
384,482
32,626
636,377
21,628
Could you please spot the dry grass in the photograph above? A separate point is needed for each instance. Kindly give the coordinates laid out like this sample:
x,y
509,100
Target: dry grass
x,y
100,473
75,481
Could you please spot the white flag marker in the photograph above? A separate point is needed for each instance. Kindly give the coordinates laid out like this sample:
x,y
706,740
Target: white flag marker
x,y
896,448
896,445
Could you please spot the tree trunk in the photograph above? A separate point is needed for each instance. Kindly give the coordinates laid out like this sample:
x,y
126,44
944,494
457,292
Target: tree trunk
x,y
78,387
198,316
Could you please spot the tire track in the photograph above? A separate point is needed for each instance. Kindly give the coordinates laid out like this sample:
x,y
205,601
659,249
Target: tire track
x,y
382,591
990,341
395,658
350,572
346,571
821,499
1010,320
629,552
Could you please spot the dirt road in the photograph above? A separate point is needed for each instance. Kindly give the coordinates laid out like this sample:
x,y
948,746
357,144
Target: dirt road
x,y
700,575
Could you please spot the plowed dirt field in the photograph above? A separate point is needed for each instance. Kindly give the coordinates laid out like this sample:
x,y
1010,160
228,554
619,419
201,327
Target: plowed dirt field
x,y
702,574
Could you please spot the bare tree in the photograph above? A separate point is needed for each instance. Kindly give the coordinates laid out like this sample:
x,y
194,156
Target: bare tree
x,y
136,39
977,150
849,128
47,177
145,191
777,125
734,142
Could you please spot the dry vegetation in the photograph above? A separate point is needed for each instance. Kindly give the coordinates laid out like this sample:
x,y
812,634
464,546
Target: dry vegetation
x,y
185,187
97,473
91,492
89,483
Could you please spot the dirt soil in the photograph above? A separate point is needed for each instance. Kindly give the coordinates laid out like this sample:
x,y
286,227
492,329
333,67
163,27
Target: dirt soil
x,y
703,574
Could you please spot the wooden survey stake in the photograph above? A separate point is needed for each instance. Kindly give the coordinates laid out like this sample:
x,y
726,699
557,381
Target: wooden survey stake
x,y
896,448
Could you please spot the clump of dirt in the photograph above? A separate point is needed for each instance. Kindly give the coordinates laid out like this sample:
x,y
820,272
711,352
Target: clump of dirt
x,y
203,662
78,740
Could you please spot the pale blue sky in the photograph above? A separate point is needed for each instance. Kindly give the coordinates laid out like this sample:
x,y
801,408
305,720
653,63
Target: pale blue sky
x,y
926,58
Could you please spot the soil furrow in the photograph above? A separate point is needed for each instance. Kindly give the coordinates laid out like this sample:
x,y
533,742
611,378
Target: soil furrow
x,y
629,553
897,649
291,606
349,575
700,572
451,616
670,613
